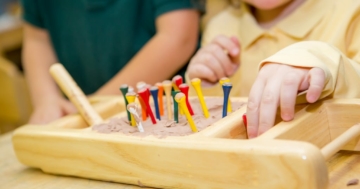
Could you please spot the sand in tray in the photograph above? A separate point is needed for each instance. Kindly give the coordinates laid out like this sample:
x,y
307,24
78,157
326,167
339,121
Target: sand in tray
x,y
165,127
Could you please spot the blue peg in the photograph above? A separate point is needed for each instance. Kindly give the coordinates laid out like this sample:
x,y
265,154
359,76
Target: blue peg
x,y
154,93
226,89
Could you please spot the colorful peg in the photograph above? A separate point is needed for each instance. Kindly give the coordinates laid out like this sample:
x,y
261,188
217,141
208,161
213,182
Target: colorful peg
x,y
130,97
124,89
222,81
154,92
133,108
184,88
226,88
167,88
144,113
143,95
140,85
176,108
176,82
180,98
244,119
160,96
131,89
147,88
196,83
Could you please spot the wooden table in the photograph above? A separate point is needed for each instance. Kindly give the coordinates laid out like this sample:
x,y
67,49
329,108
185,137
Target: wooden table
x,y
343,167
15,175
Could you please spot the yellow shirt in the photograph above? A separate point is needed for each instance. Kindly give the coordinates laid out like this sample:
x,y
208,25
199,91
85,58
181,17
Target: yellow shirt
x,y
320,33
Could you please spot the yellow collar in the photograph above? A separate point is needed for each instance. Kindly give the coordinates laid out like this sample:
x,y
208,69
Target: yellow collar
x,y
297,24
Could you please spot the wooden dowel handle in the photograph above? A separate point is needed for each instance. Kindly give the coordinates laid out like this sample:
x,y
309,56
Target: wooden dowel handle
x,y
335,145
75,94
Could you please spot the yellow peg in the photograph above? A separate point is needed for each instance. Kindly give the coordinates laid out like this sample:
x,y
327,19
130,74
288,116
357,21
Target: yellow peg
x,y
180,99
167,85
196,83
130,97
222,81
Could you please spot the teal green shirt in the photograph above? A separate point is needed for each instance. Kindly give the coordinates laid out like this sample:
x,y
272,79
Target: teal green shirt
x,y
94,39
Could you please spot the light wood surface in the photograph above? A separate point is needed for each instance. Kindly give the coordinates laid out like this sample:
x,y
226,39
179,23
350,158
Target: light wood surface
x,y
212,158
343,167
330,149
15,175
75,94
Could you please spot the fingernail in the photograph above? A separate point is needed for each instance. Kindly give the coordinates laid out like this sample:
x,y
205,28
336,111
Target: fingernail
x,y
311,98
286,117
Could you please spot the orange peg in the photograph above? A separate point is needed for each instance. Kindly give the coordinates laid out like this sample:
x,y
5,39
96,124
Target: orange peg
x,y
160,96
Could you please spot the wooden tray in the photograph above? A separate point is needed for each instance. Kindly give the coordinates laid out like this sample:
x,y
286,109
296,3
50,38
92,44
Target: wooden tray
x,y
290,155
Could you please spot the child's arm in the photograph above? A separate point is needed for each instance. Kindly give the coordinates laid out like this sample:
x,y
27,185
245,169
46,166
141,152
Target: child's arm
x,y
38,56
171,47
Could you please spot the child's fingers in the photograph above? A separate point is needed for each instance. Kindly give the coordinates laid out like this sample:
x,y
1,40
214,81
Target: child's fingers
x,y
209,60
202,72
317,83
289,90
269,103
252,112
224,60
226,43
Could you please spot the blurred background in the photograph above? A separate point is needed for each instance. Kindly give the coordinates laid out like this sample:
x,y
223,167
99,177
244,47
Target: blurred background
x,y
15,105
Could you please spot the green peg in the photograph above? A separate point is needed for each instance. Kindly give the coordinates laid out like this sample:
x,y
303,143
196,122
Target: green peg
x,y
176,108
124,89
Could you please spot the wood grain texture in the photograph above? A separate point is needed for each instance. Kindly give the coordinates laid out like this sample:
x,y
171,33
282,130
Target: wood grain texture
x,y
212,158
334,146
342,167
14,175
177,163
74,93
320,123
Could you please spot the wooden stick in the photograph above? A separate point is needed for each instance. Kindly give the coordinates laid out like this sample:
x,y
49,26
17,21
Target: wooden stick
x,y
75,94
334,146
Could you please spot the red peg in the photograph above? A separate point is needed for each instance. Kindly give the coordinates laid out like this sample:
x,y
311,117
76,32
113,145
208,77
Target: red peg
x,y
184,88
143,93
147,90
244,119
177,80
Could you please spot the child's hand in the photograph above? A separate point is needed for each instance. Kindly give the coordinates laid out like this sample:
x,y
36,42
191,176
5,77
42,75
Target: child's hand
x,y
219,59
279,84
51,111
